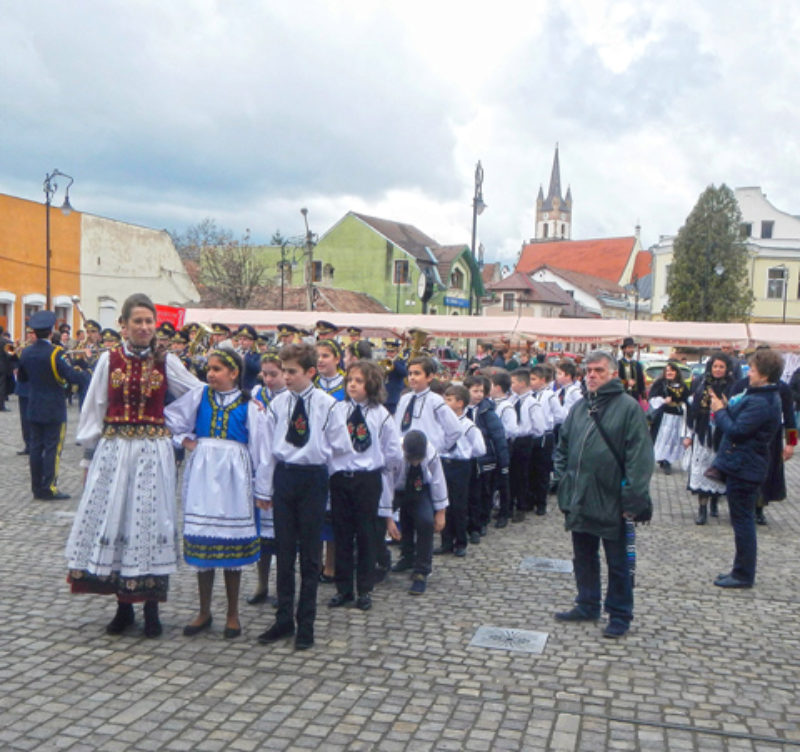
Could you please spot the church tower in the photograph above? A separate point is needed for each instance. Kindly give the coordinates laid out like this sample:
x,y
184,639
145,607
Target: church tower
x,y
554,213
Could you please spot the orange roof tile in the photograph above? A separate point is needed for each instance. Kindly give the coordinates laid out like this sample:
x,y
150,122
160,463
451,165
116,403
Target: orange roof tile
x,y
642,265
602,257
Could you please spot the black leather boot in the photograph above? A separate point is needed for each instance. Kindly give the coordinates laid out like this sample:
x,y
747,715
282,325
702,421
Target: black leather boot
x,y
122,619
714,511
152,624
702,515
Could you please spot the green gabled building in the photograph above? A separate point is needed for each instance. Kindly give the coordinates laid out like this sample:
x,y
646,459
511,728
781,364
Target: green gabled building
x,y
386,259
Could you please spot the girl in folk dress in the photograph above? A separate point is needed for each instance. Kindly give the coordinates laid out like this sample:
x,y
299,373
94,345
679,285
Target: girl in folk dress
x,y
703,436
223,428
668,396
124,539
274,384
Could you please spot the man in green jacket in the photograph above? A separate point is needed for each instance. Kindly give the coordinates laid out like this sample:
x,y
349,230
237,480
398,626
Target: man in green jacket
x,y
597,496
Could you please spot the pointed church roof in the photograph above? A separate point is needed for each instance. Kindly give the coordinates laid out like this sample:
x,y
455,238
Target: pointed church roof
x,y
555,184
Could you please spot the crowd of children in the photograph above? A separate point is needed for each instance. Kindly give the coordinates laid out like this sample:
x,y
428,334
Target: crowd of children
x,y
315,447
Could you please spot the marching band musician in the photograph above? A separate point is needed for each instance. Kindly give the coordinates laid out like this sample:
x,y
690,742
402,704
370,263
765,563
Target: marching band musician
x,y
325,330
251,359
396,373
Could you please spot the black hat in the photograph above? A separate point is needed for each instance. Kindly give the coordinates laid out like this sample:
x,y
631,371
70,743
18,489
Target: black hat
x,y
165,329
92,325
64,328
181,337
353,330
42,320
110,334
628,342
286,329
220,329
303,331
415,446
247,330
192,327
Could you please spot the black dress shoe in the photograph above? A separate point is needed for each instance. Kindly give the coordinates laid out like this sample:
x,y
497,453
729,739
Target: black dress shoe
x,y
460,551
303,643
123,619
192,629
501,522
729,581
276,632
403,565
439,550
760,518
152,624
575,614
340,599
231,632
257,598
326,579
484,530
58,496
364,602
474,538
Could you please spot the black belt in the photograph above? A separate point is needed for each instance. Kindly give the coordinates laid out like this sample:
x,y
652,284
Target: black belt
x,y
294,466
353,473
452,460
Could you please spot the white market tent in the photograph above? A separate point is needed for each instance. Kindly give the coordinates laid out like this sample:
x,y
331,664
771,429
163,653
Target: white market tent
x,y
590,331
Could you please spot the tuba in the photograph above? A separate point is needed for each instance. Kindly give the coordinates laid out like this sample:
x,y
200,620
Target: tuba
x,y
418,339
201,340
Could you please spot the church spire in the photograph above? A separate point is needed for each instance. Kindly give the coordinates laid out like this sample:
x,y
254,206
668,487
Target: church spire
x,y
555,181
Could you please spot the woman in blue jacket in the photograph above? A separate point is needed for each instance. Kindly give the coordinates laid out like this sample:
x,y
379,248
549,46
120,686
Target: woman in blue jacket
x,y
748,423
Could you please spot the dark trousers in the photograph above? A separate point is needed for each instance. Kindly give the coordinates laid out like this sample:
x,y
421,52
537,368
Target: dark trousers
x,y
24,423
46,442
619,595
539,474
354,507
518,475
742,506
457,476
299,509
416,523
479,512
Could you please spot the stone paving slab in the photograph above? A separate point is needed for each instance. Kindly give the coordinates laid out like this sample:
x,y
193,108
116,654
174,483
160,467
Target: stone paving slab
x,y
701,669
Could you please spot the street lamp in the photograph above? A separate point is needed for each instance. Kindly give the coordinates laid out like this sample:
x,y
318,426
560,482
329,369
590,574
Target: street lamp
x,y
310,243
478,206
50,187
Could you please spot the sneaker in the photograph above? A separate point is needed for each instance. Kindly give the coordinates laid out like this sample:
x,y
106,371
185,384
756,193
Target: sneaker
x,y
403,565
615,629
575,614
418,584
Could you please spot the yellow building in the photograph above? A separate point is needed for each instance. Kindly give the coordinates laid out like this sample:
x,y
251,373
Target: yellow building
x,y
772,238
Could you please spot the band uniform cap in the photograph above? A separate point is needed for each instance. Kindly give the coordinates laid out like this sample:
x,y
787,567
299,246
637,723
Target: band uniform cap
x,y
286,329
42,320
111,334
192,327
92,326
247,330
303,332
391,344
165,329
181,337
220,329
325,328
352,330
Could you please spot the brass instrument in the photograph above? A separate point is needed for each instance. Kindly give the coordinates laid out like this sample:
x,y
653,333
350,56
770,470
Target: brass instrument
x,y
200,341
418,339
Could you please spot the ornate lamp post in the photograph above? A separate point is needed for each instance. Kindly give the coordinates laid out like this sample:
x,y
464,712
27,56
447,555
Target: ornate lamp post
x,y
50,187
478,206
310,243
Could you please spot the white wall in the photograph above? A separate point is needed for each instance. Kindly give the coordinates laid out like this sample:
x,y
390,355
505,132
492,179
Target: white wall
x,y
118,259
755,208
585,299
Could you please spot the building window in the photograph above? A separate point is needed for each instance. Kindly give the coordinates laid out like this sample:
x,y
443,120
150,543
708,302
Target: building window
x,y
508,301
766,228
327,272
401,272
746,230
316,271
457,279
563,230
63,315
545,229
777,277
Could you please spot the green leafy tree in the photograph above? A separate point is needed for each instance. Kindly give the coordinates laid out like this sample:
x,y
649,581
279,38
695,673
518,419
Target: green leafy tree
x,y
234,272
708,277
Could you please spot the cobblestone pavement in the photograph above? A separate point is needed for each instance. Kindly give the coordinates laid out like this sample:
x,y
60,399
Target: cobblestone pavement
x,y
702,668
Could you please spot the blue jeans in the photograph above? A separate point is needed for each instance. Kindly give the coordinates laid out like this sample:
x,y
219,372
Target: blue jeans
x,y
619,596
416,523
742,496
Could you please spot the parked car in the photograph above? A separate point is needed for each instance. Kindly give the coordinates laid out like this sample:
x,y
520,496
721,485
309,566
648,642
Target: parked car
x,y
449,360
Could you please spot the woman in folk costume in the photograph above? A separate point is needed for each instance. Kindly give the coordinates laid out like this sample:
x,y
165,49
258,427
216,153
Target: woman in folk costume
x,y
222,426
703,436
124,539
668,397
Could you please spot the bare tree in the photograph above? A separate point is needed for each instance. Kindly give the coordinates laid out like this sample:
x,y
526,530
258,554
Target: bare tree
x,y
200,237
233,272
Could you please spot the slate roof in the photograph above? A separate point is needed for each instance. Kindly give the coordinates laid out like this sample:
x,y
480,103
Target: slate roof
x,y
531,291
408,237
588,282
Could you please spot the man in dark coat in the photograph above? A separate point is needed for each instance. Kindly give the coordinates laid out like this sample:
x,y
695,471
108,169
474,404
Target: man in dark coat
x,y
6,370
600,489
630,371
43,367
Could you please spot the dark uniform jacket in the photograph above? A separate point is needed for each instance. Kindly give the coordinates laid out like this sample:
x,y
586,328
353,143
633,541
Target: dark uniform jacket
x,y
590,489
43,367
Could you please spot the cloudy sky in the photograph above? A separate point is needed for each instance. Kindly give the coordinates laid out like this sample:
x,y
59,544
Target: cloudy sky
x,y
169,112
